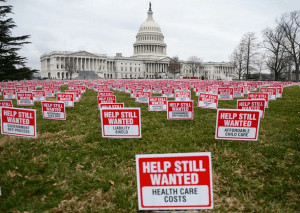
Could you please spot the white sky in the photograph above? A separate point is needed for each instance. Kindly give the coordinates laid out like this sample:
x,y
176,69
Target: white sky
x,y
209,29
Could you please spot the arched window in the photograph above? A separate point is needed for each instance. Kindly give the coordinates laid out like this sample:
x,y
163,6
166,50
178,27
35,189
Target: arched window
x,y
58,75
49,75
67,75
62,75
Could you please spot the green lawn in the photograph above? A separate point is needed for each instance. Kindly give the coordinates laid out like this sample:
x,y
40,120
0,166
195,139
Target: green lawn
x,y
70,167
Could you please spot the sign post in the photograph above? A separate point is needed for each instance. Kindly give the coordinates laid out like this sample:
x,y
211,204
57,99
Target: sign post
x,y
174,181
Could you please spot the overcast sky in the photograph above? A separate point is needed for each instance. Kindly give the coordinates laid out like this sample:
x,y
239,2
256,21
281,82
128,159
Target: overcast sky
x,y
209,29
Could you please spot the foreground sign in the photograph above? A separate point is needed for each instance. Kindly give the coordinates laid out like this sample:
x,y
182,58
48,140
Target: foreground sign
x,y
237,124
180,110
54,110
121,122
174,181
18,122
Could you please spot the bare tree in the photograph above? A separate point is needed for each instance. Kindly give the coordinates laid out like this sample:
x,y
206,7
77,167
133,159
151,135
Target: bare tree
x,y
174,66
290,24
237,60
250,45
276,56
194,64
71,66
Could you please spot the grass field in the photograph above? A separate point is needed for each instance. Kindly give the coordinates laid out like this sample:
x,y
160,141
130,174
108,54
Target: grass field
x,y
71,168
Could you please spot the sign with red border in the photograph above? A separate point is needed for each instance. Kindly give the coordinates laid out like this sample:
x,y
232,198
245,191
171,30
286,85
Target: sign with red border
x,y
25,99
253,104
109,93
5,103
111,105
121,122
225,93
180,110
237,124
255,96
271,91
157,104
18,122
168,92
142,97
238,92
106,99
9,94
208,101
67,98
38,95
174,181
53,110
182,95
49,92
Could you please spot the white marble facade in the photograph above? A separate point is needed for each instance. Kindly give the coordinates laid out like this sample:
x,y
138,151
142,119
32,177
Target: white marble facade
x,y
149,60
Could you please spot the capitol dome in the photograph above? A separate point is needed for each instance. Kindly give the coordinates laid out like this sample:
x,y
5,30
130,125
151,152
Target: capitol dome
x,y
149,39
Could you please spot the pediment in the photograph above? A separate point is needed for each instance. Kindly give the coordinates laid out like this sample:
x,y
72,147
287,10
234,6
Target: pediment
x,y
83,53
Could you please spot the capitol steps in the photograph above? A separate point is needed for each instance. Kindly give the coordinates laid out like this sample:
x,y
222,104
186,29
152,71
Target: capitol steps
x,y
84,75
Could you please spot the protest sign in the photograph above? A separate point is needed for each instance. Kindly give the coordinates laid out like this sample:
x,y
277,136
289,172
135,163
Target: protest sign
x,y
182,95
49,92
238,92
25,99
121,122
174,181
53,110
237,124
157,104
254,104
208,101
271,91
225,93
38,95
9,94
180,110
255,96
111,105
18,122
142,97
106,99
67,98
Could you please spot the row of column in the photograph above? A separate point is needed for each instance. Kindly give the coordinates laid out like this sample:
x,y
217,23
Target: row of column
x,y
156,67
110,66
81,64
149,48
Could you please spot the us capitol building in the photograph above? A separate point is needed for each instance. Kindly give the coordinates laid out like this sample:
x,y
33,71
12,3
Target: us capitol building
x,y
149,60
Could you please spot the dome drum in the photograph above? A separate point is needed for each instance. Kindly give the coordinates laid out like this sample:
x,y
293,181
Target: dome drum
x,y
149,39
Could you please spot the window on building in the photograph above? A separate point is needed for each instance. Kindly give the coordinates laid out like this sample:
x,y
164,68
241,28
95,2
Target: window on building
x,y
57,66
